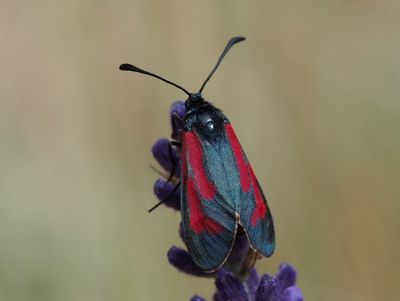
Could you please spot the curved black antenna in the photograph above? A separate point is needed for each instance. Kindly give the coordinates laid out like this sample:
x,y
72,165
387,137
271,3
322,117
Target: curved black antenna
x,y
129,67
228,46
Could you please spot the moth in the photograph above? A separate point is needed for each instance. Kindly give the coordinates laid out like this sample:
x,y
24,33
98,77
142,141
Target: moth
x,y
219,192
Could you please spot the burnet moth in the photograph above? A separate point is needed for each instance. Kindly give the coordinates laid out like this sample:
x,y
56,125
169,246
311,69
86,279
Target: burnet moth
x,y
219,191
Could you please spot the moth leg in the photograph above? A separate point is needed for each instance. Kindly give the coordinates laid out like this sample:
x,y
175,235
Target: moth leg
x,y
177,124
159,172
166,198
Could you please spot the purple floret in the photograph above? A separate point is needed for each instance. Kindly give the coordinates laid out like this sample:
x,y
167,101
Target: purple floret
x,y
166,192
182,260
230,287
286,275
252,282
162,153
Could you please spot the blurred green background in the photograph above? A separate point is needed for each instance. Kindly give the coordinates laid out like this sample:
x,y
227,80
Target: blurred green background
x,y
313,95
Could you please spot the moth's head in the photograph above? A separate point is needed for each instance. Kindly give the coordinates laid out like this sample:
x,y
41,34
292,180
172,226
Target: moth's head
x,y
194,101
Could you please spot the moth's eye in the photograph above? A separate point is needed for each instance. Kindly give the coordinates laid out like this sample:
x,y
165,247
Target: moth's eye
x,y
210,125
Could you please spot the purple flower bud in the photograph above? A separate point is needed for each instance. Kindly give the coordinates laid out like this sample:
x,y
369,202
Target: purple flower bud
x,y
163,190
218,297
177,111
230,286
178,107
182,260
268,289
292,293
252,282
197,298
286,276
161,152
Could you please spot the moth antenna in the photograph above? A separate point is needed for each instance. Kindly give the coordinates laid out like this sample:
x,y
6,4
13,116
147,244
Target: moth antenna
x,y
129,67
228,46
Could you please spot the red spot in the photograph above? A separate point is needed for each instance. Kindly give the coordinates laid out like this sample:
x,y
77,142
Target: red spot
x,y
198,222
239,157
260,210
195,157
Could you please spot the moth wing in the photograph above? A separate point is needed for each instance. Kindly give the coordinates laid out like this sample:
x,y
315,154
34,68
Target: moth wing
x,y
208,219
255,216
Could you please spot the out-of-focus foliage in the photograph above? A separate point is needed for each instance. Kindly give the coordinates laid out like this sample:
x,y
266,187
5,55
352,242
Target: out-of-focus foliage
x,y
313,95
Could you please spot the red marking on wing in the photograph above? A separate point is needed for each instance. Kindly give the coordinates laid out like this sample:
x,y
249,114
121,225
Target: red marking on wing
x,y
183,161
260,210
239,157
195,157
198,222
